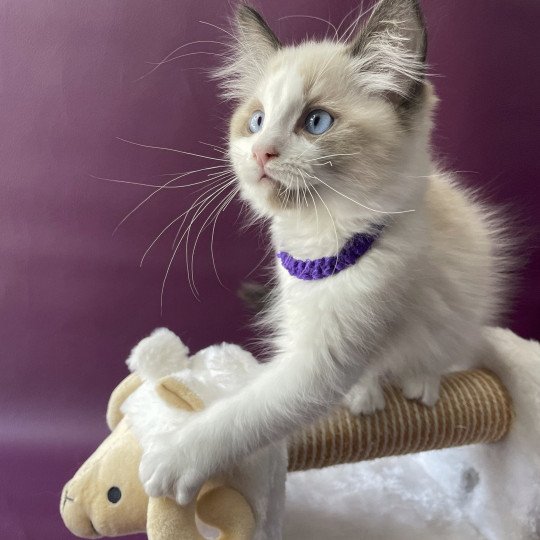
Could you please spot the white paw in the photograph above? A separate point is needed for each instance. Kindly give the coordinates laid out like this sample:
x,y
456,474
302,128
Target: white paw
x,y
424,387
364,399
171,470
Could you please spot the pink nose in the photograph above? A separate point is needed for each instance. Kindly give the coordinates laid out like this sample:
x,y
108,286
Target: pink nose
x,y
263,155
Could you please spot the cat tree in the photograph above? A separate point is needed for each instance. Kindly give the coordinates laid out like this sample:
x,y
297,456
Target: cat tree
x,y
474,408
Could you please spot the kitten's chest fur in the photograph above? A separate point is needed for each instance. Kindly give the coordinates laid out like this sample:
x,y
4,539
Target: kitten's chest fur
x,y
434,273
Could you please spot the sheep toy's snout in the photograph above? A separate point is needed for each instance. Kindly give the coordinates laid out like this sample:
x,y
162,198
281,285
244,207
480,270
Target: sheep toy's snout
x,y
105,497
74,514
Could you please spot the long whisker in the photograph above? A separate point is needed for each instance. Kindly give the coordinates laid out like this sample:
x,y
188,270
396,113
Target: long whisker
x,y
215,212
175,150
311,195
164,282
216,147
333,155
166,59
193,53
155,192
187,233
220,166
354,25
219,28
183,214
142,184
203,197
333,223
356,202
314,205
322,164
223,208
349,13
171,58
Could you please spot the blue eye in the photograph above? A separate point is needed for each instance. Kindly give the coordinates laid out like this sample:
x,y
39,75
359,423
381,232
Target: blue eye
x,y
318,122
256,122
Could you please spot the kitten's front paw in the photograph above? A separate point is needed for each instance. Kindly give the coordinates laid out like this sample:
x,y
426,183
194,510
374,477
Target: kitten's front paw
x,y
364,399
424,388
170,471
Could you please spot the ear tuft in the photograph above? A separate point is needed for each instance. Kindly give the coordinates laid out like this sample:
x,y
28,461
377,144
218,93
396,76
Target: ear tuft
x,y
390,50
253,46
253,28
158,355
176,393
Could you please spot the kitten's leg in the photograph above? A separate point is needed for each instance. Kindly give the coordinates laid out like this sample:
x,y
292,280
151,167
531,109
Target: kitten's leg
x,y
422,386
365,397
291,391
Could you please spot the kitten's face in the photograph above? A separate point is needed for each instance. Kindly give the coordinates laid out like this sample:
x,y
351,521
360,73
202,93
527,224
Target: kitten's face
x,y
315,126
302,164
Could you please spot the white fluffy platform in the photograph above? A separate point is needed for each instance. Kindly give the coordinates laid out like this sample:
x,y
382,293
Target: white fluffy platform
x,y
476,492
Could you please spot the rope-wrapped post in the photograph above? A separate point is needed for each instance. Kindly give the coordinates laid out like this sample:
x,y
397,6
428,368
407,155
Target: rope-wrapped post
x,y
474,407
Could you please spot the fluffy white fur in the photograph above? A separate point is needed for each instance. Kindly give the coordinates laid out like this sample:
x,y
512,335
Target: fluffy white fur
x,y
212,373
410,308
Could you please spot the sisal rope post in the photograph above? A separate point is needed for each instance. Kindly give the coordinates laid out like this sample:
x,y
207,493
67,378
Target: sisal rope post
x,y
474,407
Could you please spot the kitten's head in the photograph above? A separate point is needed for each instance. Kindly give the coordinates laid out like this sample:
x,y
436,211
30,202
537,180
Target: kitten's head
x,y
335,122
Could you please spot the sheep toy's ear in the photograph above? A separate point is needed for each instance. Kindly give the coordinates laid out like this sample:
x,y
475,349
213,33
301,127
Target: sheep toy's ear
x,y
177,394
118,396
160,354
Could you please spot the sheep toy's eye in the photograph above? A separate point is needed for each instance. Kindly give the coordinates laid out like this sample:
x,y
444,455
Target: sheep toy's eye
x,y
114,494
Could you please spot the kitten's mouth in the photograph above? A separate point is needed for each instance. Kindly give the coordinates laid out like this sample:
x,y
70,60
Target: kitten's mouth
x,y
283,196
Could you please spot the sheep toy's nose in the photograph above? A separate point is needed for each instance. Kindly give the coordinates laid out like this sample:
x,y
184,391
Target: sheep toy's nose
x,y
75,517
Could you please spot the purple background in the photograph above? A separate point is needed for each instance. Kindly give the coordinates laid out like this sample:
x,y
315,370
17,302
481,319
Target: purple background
x,y
73,299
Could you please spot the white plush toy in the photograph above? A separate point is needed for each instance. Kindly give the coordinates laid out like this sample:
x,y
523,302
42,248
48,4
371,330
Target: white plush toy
x,y
163,363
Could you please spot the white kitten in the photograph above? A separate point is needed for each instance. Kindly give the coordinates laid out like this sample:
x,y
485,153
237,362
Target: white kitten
x,y
331,140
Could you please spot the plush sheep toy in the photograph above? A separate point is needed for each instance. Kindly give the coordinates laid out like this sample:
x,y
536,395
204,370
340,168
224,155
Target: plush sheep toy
x,y
105,497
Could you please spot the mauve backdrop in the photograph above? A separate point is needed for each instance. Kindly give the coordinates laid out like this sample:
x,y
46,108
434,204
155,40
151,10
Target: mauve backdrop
x,y
73,299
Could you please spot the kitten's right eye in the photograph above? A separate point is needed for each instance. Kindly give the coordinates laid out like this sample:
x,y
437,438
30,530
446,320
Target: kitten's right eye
x,y
256,122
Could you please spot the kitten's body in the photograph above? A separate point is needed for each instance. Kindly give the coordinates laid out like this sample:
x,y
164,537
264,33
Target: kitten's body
x,y
411,306
410,309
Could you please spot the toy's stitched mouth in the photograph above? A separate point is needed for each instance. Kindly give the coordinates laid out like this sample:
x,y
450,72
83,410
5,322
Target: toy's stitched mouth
x,y
66,499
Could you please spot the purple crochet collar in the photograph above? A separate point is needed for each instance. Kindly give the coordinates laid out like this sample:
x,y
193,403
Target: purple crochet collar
x,y
325,267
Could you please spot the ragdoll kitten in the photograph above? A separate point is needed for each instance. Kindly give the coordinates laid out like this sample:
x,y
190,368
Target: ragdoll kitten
x,y
386,268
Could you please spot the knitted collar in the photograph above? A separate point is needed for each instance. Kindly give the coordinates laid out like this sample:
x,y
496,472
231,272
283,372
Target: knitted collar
x,y
325,267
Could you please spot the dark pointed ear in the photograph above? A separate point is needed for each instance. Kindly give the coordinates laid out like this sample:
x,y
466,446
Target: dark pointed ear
x,y
391,49
177,394
253,46
254,33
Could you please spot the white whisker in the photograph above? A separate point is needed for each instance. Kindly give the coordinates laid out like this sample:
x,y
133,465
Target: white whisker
x,y
333,155
356,202
183,214
203,197
168,56
185,55
214,213
142,184
216,147
333,224
169,268
175,150
187,232
155,192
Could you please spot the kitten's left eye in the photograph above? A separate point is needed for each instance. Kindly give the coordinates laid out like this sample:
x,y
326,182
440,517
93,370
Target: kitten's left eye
x,y
256,122
318,122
